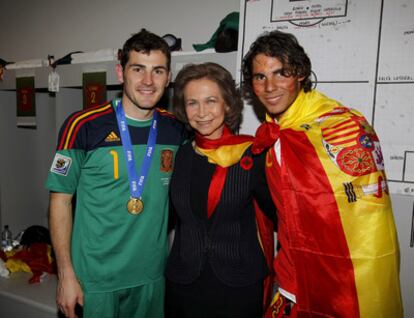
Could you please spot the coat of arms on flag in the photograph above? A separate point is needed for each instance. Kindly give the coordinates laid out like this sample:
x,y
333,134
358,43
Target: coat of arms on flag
x,y
352,144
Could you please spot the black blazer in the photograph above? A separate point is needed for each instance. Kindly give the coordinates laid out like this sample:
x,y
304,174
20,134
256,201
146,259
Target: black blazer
x,y
228,241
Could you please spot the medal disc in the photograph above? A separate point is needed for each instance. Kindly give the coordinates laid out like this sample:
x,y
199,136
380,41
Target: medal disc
x,y
135,206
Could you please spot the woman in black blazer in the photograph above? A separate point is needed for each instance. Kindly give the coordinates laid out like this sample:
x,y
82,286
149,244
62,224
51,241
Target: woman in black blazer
x,y
216,267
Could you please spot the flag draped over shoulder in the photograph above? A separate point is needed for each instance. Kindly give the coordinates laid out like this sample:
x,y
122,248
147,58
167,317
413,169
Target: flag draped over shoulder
x,y
331,193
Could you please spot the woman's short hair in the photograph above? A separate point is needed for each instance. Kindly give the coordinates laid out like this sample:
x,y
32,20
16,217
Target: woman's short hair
x,y
217,74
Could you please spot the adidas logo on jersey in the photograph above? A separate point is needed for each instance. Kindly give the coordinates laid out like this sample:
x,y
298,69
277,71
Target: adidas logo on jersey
x,y
112,137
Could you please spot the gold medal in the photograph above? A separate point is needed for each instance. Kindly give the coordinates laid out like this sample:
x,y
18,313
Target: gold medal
x,y
135,206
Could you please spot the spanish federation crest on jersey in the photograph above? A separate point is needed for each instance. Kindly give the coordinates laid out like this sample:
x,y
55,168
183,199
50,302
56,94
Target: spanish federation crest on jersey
x,y
61,164
351,144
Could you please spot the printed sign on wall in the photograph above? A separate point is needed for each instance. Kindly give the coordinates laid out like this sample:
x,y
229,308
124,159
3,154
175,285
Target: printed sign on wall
x,y
94,89
26,102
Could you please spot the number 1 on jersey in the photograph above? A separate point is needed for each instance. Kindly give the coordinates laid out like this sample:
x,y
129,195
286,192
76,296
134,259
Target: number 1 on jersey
x,y
116,171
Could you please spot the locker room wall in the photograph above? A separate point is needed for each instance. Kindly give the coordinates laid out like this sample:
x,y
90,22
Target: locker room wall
x,y
35,29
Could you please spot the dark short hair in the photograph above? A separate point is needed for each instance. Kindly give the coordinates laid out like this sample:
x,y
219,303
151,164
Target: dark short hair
x,y
286,48
144,41
218,74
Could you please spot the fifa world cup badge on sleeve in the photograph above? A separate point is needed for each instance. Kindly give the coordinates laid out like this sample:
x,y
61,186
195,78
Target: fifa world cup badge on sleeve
x,y
61,164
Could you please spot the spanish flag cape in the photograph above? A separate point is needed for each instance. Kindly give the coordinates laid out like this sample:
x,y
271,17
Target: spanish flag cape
x,y
224,152
331,190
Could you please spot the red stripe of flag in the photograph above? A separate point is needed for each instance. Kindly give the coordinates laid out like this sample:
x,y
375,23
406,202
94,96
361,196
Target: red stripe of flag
x,y
318,245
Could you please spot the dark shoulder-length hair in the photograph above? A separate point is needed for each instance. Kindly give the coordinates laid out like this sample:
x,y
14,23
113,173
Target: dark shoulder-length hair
x,y
286,48
218,74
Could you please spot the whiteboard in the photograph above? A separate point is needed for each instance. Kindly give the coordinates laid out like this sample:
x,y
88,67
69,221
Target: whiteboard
x,y
362,54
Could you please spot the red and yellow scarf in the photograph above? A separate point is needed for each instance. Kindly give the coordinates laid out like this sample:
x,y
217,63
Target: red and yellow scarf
x,y
225,152
331,189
